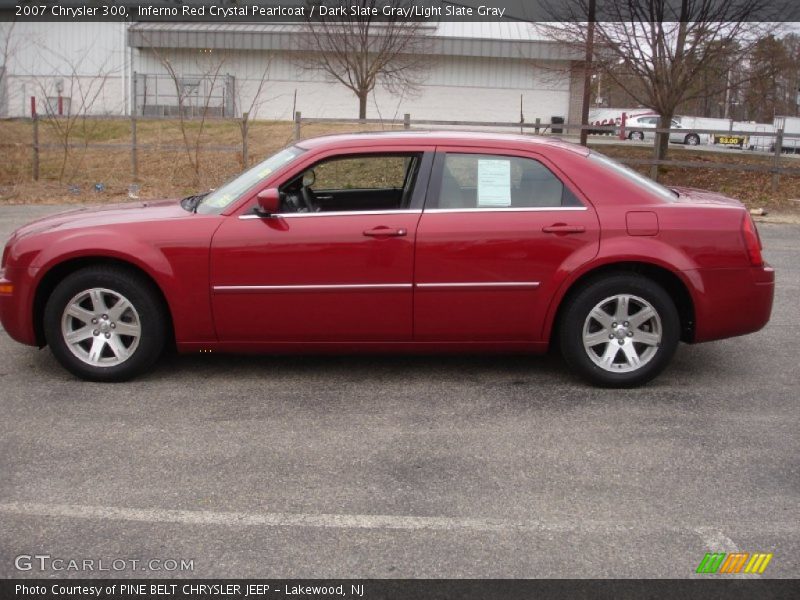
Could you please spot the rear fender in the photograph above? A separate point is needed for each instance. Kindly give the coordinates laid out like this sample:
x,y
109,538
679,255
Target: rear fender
x,y
649,251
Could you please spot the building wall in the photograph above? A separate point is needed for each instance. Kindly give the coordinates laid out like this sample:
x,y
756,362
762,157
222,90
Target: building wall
x,y
575,95
454,88
87,60
94,67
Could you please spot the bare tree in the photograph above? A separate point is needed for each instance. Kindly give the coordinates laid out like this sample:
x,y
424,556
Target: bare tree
x,y
249,111
774,67
75,100
663,45
361,52
210,72
707,97
11,43
6,51
791,43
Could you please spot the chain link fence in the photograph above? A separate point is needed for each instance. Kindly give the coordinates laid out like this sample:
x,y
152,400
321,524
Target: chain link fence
x,y
158,95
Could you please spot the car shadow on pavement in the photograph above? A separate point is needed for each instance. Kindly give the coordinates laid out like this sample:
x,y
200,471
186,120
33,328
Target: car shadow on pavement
x,y
385,368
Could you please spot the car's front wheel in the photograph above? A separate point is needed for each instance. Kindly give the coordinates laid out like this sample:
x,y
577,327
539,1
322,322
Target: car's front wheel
x,y
105,324
692,140
636,135
619,331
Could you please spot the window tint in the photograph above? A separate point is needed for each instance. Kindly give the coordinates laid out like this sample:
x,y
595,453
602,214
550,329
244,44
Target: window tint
x,y
489,181
353,183
231,191
637,178
362,173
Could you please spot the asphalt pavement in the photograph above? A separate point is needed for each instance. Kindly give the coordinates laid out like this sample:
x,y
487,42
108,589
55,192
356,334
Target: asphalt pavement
x,y
399,466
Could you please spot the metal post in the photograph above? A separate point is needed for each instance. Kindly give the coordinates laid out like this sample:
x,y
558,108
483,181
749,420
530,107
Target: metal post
x,y
776,161
656,157
407,121
133,92
622,133
587,76
245,125
297,118
35,146
536,125
134,157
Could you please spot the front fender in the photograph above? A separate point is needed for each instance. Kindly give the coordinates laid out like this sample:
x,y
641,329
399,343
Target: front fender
x,y
105,244
179,270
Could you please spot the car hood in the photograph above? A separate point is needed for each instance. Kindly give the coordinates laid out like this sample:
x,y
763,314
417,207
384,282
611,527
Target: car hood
x,y
695,196
89,216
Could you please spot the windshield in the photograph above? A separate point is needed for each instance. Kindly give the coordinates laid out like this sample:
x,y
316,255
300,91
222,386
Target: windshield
x,y
637,178
231,191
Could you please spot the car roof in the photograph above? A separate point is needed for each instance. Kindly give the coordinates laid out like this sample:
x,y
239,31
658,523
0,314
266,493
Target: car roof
x,y
457,138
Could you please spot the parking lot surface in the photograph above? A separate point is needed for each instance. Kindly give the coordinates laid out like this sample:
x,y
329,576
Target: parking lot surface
x,y
397,466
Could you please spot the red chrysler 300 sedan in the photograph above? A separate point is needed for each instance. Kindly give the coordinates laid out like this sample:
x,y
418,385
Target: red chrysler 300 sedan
x,y
396,242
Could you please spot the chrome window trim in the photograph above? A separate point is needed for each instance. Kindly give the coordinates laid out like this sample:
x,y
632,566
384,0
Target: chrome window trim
x,y
344,213
508,209
333,213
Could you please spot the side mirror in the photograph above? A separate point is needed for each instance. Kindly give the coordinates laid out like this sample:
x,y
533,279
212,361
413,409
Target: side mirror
x,y
269,201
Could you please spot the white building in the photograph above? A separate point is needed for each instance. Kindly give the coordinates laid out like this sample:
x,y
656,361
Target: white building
x,y
84,63
476,71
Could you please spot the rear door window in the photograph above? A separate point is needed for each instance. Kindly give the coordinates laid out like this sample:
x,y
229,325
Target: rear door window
x,y
487,181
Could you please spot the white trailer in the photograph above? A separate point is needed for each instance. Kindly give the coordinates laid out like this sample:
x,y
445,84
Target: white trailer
x,y
613,116
763,143
790,126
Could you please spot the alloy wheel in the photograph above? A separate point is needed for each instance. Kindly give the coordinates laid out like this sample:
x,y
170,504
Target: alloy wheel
x,y
622,333
101,327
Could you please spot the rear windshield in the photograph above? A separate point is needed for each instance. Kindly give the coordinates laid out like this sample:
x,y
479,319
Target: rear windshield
x,y
643,182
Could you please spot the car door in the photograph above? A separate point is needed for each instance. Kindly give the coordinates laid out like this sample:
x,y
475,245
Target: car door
x,y
499,232
327,276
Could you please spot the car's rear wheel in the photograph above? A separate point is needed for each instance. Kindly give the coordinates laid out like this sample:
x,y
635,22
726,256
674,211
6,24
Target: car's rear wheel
x,y
105,324
619,331
636,135
692,140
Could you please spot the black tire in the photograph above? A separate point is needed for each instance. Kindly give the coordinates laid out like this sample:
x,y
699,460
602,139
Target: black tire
x,y
150,319
575,319
692,140
636,135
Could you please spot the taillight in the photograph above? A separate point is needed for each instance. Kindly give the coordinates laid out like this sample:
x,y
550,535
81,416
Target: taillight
x,y
752,241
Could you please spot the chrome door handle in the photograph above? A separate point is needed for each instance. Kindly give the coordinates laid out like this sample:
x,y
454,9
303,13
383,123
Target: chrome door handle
x,y
562,228
385,232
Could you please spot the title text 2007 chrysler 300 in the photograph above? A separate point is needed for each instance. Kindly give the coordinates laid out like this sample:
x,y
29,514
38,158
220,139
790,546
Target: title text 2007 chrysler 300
x,y
396,242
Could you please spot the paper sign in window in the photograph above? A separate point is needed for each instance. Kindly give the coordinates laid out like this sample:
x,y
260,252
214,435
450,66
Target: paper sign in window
x,y
494,182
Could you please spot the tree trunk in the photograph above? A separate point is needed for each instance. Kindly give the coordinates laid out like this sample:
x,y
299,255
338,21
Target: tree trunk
x,y
662,142
362,104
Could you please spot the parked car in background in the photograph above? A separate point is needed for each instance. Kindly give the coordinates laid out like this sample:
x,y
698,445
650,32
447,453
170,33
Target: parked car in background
x,y
641,127
396,241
